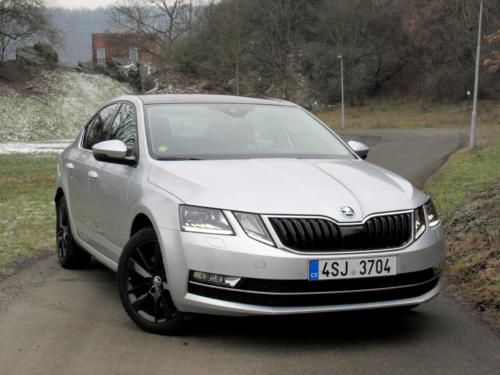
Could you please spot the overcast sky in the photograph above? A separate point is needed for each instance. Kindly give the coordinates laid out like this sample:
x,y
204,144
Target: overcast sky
x,y
80,3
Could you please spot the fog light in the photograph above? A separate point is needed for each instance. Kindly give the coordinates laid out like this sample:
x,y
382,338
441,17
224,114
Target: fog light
x,y
216,279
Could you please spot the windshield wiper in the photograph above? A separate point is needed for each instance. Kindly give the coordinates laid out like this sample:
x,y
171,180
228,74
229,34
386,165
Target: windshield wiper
x,y
177,158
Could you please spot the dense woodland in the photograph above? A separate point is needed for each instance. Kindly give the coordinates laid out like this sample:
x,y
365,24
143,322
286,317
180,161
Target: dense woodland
x,y
291,48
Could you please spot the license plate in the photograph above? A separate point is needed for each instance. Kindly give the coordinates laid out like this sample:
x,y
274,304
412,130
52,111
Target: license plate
x,y
352,268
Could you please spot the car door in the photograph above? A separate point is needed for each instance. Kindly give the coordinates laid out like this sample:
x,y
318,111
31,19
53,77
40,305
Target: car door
x,y
75,167
79,162
108,187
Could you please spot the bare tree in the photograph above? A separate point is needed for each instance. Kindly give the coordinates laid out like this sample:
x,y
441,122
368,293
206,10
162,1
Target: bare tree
x,y
279,32
23,21
229,36
444,32
161,21
493,62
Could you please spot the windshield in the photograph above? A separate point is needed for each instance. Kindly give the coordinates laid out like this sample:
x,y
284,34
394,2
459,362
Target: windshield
x,y
233,131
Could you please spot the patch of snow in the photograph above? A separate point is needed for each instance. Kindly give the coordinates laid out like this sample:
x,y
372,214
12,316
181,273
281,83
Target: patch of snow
x,y
33,147
61,112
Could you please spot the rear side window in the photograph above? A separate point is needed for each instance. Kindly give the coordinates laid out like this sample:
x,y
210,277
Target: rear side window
x,y
124,127
96,131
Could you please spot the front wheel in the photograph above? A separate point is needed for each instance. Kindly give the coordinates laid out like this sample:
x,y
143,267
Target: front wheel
x,y
143,285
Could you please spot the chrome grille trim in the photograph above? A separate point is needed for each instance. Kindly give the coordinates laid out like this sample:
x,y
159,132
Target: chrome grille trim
x,y
280,244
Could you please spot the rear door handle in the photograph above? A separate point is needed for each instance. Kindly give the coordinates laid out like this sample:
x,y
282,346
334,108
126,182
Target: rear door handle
x,y
93,175
69,166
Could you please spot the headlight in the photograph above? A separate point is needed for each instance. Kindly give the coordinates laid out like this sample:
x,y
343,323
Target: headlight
x,y
419,221
254,227
204,220
431,214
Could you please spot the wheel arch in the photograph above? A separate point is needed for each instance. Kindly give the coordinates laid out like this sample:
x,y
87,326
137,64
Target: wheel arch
x,y
141,221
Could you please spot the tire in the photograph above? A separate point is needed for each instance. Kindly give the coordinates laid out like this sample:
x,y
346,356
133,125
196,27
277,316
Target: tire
x,y
69,254
143,286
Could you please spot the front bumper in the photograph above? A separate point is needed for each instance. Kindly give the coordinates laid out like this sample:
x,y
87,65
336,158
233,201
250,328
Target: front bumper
x,y
417,281
220,307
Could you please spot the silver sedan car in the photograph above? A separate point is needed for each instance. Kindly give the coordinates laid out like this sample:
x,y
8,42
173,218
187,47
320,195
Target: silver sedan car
x,y
239,206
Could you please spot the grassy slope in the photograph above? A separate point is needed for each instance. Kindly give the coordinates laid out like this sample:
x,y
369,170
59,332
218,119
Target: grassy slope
x,y
60,104
26,211
468,172
467,193
63,103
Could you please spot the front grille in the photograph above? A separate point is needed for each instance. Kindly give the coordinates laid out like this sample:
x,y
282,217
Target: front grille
x,y
378,232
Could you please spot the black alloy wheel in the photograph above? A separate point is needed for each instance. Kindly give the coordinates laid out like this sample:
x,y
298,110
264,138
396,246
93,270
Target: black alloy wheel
x,y
143,285
69,254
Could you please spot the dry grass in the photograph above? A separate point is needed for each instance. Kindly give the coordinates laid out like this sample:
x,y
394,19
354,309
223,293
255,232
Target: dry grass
x,y
473,256
419,114
466,191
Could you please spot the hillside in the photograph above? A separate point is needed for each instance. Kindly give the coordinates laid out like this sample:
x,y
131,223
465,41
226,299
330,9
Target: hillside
x,y
466,191
52,105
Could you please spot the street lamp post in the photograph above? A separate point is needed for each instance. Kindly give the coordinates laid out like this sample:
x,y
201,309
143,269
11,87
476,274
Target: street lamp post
x,y
473,125
342,88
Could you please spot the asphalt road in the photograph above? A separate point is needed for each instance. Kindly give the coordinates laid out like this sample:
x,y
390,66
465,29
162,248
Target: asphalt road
x,y
54,321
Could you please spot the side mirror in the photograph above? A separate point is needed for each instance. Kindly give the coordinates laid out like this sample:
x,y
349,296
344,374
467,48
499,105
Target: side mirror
x,y
359,148
113,151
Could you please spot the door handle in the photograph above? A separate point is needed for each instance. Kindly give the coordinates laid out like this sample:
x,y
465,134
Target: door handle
x,y
93,175
69,166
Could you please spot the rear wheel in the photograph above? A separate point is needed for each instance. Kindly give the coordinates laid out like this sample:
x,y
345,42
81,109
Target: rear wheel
x,y
69,254
143,285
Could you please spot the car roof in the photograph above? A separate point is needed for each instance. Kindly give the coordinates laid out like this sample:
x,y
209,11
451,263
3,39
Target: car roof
x,y
199,98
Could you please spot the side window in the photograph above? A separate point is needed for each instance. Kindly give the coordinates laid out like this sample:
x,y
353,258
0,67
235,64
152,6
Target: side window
x,y
124,127
95,131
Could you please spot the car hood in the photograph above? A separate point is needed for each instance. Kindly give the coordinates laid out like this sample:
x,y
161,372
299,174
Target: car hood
x,y
287,186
